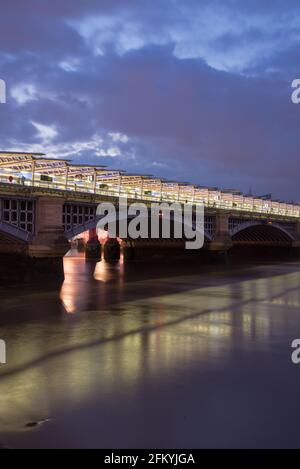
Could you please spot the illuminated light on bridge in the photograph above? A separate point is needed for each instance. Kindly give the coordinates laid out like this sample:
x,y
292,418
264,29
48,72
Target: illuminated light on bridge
x,y
35,170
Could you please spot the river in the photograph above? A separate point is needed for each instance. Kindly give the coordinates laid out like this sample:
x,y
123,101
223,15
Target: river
x,y
152,355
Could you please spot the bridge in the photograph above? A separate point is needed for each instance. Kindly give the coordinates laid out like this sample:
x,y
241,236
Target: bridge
x,y
45,202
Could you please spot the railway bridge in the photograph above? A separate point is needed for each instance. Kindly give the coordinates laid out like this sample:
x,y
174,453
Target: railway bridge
x,y
45,202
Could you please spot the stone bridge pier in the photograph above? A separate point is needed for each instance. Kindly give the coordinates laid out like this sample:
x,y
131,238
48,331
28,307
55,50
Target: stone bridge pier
x,y
296,242
221,241
49,240
49,245
37,253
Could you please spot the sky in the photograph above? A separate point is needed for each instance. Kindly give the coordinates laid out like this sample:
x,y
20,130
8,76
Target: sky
x,y
197,91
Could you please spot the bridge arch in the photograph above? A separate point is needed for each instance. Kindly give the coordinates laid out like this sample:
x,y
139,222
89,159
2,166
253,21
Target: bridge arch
x,y
92,224
261,232
15,233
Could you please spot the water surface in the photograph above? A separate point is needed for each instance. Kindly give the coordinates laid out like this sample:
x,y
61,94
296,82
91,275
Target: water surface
x,y
152,355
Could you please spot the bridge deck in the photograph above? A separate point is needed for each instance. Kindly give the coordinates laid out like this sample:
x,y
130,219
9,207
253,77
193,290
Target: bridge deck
x,y
21,172
87,196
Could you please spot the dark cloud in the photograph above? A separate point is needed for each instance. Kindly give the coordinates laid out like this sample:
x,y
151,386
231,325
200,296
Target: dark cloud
x,y
198,91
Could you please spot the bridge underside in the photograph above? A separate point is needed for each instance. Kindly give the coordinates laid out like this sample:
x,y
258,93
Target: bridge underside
x,y
10,244
262,235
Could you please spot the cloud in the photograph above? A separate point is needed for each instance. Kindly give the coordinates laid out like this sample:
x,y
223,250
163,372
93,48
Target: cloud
x,y
69,65
98,146
45,133
224,35
194,91
24,93
118,137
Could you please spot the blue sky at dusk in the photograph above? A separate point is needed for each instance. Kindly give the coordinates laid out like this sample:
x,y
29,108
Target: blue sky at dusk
x,y
193,90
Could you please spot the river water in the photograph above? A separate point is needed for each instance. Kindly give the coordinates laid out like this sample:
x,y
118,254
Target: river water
x,y
152,355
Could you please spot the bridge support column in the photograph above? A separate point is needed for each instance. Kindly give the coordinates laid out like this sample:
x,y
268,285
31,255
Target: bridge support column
x,y
296,243
49,240
49,245
93,246
128,250
112,250
222,240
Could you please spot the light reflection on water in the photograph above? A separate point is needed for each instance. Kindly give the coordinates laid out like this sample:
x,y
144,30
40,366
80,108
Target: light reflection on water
x,y
112,340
